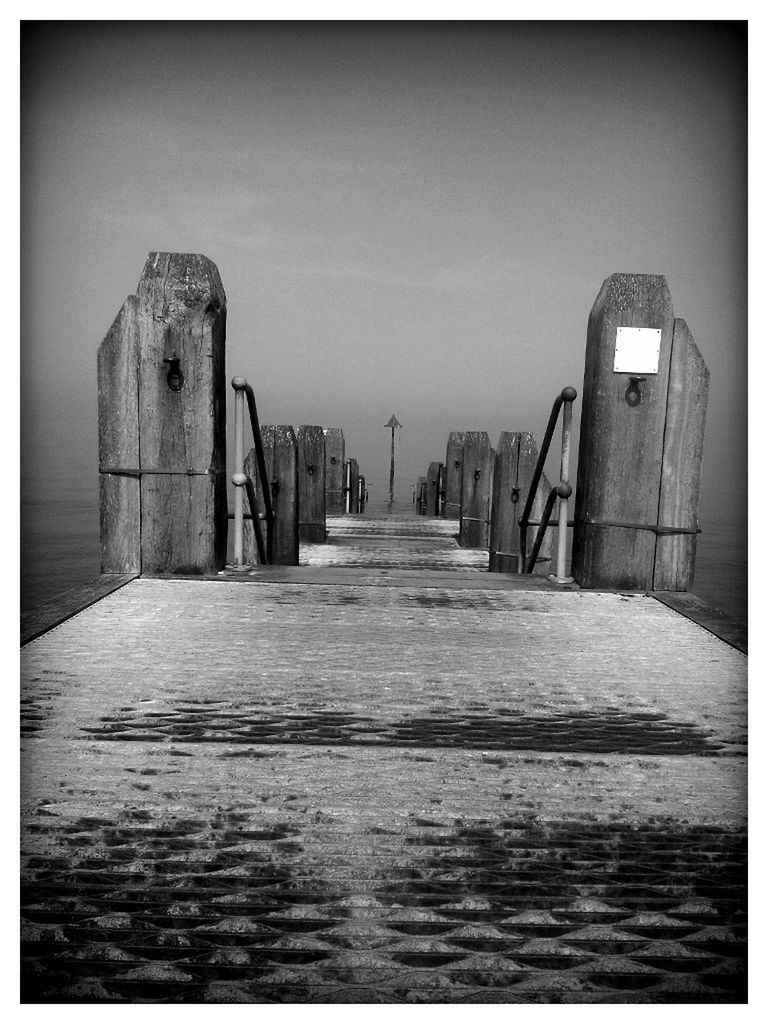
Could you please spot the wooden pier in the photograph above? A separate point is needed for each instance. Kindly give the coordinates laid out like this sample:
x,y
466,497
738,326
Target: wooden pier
x,y
382,775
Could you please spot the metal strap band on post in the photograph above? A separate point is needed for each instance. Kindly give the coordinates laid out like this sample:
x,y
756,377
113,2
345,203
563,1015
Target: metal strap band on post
x,y
661,531
514,554
121,471
474,519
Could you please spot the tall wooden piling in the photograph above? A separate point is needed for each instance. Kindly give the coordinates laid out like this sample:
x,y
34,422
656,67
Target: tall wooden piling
x,y
311,454
120,493
334,471
433,488
454,458
282,462
681,465
514,465
476,473
639,427
162,422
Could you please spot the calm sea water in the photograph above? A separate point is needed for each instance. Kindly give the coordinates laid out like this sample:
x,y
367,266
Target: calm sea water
x,y
60,549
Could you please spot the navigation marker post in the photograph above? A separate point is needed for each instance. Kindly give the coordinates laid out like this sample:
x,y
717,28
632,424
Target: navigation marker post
x,y
392,424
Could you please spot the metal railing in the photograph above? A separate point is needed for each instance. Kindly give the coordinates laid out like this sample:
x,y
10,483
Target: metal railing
x,y
561,491
242,481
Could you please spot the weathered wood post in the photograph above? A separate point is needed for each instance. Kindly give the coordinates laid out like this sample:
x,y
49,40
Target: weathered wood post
x,y
334,471
441,491
311,453
421,495
433,490
362,494
351,477
645,392
454,457
681,465
282,461
515,462
162,422
475,490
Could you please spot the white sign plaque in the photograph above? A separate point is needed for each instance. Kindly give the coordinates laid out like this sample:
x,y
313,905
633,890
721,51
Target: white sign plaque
x,y
637,350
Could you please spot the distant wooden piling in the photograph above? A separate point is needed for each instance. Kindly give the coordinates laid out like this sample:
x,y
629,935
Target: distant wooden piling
x,y
454,458
421,495
334,471
362,494
162,423
433,488
639,427
441,491
514,464
351,486
311,454
282,462
475,490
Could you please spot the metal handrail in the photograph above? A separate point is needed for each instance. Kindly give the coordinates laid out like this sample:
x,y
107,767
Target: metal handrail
x,y
562,490
242,480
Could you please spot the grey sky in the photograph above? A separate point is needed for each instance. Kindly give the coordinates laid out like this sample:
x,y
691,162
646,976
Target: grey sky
x,y
412,219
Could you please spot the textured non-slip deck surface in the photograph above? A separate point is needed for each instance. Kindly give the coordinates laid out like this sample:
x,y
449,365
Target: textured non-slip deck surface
x,y
292,792
399,541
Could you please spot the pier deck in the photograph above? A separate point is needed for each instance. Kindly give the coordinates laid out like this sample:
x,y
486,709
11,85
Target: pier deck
x,y
383,775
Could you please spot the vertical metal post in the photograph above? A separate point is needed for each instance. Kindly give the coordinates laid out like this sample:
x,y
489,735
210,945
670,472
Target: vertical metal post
x,y
391,424
238,478
565,460
392,469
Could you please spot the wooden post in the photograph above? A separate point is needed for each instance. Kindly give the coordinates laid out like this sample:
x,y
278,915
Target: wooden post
x,y
362,494
119,495
515,461
475,490
624,409
529,456
506,506
162,423
433,491
351,476
334,471
441,491
311,452
421,495
454,457
282,462
681,463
